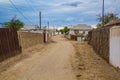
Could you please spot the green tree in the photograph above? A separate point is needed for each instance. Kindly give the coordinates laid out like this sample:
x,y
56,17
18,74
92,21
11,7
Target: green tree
x,y
14,23
66,29
107,18
99,25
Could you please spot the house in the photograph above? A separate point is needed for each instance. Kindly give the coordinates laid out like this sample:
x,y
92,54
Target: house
x,y
79,32
30,28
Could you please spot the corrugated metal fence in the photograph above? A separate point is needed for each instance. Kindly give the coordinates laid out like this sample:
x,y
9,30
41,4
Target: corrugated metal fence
x,y
9,45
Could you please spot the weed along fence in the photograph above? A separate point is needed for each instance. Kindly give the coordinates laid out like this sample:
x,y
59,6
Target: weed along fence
x,y
106,42
9,45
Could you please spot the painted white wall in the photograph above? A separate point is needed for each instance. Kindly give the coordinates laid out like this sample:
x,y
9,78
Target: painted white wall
x,y
86,32
79,39
115,46
71,32
81,32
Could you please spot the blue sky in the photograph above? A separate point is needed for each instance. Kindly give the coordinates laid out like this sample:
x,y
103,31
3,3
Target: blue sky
x,y
57,12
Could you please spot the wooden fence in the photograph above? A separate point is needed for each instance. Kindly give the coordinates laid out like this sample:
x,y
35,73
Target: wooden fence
x,y
9,44
99,39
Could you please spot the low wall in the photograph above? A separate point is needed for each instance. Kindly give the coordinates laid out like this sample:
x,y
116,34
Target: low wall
x,y
28,39
99,39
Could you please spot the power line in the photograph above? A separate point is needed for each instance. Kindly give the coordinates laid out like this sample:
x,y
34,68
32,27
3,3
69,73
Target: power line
x,y
20,11
30,5
28,2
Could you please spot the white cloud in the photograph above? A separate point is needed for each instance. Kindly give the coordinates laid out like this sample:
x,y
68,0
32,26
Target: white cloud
x,y
70,19
60,11
4,1
93,25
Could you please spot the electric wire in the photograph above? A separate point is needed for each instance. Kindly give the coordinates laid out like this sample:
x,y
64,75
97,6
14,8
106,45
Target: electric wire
x,y
20,11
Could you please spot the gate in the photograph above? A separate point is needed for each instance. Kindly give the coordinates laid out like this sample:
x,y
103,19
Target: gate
x,y
45,35
115,46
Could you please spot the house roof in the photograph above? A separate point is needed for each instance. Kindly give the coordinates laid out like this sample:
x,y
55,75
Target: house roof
x,y
82,27
117,22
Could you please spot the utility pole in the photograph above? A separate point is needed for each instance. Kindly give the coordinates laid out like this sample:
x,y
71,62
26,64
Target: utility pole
x,y
54,30
103,13
40,19
48,25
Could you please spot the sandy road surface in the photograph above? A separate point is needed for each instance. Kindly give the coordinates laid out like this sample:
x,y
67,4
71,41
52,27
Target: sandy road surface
x,y
52,63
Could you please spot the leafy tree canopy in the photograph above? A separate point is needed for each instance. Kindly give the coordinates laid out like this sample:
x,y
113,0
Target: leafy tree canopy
x,y
107,18
65,30
14,23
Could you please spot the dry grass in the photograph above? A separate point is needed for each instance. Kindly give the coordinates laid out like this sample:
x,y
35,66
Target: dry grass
x,y
90,66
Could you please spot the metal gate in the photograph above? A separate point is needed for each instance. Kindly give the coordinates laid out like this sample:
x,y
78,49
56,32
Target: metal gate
x,y
115,46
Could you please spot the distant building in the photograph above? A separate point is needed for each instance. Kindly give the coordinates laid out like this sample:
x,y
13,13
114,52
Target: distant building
x,y
30,28
79,32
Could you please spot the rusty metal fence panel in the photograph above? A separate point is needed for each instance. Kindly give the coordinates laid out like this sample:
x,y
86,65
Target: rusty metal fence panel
x,y
9,44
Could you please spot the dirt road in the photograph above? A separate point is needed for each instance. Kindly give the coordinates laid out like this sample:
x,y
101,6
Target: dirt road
x,y
61,60
51,63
